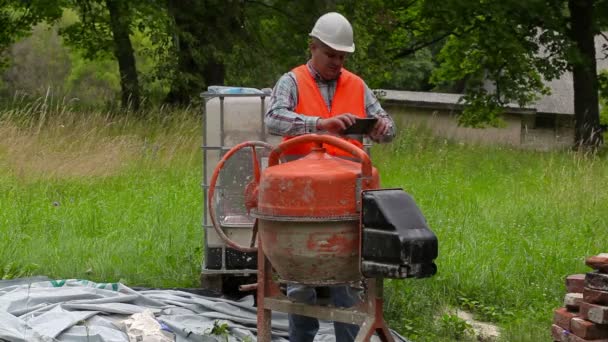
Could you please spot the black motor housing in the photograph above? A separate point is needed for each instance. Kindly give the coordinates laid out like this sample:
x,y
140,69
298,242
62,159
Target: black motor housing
x,y
396,241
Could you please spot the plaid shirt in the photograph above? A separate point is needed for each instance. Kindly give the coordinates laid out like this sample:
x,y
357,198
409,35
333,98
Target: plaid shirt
x,y
282,120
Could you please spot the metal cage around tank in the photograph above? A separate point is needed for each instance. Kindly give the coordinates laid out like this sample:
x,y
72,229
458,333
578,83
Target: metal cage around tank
x,y
228,119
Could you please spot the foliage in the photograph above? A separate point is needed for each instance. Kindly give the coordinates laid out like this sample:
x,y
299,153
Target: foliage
x,y
456,327
504,51
93,82
12,270
220,329
376,35
17,17
487,313
496,47
184,46
43,63
40,64
278,41
498,52
603,87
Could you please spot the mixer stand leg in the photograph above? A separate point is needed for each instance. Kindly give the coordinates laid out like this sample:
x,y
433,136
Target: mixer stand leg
x,y
374,323
264,280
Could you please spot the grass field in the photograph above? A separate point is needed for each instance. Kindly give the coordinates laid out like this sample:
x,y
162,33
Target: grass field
x,y
101,198
511,225
119,199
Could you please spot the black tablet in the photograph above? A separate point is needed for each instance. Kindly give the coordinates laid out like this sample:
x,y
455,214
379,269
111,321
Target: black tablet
x,y
361,126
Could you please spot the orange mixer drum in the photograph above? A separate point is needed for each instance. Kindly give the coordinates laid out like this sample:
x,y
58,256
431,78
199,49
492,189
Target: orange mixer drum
x,y
308,212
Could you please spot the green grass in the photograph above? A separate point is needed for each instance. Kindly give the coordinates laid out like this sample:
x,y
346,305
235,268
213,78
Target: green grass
x,y
102,199
511,226
140,228
119,199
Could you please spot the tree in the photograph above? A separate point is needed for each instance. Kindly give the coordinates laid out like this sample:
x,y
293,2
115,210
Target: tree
x,y
372,24
201,35
513,45
251,43
123,50
17,17
105,27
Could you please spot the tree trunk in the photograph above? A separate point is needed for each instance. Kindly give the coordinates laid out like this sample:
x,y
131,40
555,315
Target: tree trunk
x,y
584,75
123,50
194,22
214,72
187,78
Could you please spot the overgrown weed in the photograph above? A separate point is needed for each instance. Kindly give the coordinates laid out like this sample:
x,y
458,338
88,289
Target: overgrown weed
x,y
51,139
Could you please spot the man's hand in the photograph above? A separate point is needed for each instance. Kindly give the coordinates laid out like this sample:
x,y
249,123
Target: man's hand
x,y
381,128
337,124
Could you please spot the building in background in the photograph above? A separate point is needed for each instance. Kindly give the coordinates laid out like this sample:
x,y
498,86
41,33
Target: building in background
x,y
547,124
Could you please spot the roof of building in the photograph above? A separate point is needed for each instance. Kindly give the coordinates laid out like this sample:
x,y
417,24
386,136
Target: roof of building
x,y
424,99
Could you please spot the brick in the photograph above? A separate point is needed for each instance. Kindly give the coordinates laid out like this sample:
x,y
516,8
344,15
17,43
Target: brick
x,y
594,313
572,301
588,330
598,262
575,283
562,317
574,338
557,333
597,281
595,296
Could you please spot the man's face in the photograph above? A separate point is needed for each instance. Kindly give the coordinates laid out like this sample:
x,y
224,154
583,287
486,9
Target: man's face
x,y
326,60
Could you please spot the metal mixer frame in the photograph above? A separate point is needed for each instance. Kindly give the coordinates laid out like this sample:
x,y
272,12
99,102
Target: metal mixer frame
x,y
368,314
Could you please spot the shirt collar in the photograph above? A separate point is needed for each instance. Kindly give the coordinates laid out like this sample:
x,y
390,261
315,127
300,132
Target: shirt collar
x,y
316,75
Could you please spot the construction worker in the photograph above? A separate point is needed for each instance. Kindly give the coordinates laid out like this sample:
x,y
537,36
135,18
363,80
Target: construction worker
x,y
323,97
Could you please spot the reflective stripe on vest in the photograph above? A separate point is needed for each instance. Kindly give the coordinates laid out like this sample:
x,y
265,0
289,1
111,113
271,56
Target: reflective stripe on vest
x,y
348,98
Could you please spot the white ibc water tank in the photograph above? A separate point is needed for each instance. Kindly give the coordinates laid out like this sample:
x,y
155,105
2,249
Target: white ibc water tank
x,y
243,119
229,120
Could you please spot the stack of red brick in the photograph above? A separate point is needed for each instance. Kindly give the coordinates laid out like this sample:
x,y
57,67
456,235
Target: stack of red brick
x,y
584,316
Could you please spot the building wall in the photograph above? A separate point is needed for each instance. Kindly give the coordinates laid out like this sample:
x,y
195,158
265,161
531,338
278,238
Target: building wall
x,y
526,131
547,131
445,124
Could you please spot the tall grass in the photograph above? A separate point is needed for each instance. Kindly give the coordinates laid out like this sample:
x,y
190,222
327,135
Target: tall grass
x,y
117,198
511,226
101,196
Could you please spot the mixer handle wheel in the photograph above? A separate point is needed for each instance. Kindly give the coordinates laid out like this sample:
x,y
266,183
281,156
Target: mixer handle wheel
x,y
366,165
256,180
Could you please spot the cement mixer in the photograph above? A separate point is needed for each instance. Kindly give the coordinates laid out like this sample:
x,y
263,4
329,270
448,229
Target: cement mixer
x,y
321,221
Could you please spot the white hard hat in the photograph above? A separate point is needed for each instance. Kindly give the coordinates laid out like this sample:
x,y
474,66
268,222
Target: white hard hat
x,y
334,31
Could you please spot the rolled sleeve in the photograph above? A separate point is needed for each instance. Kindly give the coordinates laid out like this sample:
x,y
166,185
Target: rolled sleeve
x,y
373,109
280,119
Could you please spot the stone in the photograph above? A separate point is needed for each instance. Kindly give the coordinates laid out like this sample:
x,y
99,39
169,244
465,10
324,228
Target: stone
x,y
575,283
562,317
557,332
572,301
596,281
588,330
595,296
598,262
594,313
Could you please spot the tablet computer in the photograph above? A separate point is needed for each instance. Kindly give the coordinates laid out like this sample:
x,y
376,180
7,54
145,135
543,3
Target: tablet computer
x,y
361,126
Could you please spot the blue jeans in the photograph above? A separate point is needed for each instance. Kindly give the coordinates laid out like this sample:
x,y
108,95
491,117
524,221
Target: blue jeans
x,y
304,329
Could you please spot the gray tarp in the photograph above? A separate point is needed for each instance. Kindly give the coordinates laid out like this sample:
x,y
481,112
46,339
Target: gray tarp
x,y
39,309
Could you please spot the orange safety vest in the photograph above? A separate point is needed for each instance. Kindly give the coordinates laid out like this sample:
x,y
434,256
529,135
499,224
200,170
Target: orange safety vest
x,y
348,98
